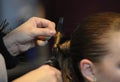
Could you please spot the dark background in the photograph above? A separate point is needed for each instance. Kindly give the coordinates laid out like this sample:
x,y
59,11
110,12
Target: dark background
x,y
74,11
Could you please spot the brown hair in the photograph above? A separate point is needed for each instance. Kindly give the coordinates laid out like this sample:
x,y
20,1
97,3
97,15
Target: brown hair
x,y
90,38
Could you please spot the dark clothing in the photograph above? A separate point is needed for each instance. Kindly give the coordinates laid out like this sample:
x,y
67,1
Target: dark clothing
x,y
10,60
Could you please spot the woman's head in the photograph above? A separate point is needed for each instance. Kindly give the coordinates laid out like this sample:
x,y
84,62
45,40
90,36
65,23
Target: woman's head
x,y
95,48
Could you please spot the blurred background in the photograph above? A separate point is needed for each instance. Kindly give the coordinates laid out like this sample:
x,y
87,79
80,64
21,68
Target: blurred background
x,y
18,11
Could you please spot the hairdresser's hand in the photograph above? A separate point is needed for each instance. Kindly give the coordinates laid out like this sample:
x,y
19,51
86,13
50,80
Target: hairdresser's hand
x,y
28,35
45,73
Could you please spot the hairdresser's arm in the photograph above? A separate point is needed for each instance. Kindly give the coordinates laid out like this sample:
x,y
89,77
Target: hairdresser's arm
x,y
45,73
28,35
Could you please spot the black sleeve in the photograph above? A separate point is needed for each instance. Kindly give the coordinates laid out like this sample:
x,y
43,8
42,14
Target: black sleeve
x,y
11,61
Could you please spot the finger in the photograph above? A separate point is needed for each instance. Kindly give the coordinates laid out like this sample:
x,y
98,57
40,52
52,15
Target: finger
x,y
58,75
40,22
53,72
50,25
42,32
41,43
44,23
43,27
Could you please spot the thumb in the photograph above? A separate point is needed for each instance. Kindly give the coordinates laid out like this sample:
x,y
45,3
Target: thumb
x,y
41,43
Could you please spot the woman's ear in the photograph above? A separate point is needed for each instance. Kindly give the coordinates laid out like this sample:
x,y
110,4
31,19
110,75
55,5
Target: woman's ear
x,y
87,69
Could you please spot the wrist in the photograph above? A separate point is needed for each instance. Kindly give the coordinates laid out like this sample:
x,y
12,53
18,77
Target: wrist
x,y
11,46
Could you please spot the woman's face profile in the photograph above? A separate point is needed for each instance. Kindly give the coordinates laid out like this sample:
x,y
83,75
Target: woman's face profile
x,y
108,70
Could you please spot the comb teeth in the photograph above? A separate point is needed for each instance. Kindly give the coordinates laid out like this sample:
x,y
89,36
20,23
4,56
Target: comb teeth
x,y
3,24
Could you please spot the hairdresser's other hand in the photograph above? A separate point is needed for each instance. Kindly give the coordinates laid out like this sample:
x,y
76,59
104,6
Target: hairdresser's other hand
x,y
45,73
28,35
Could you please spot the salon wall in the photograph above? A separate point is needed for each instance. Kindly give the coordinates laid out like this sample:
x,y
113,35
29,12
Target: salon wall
x,y
74,11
